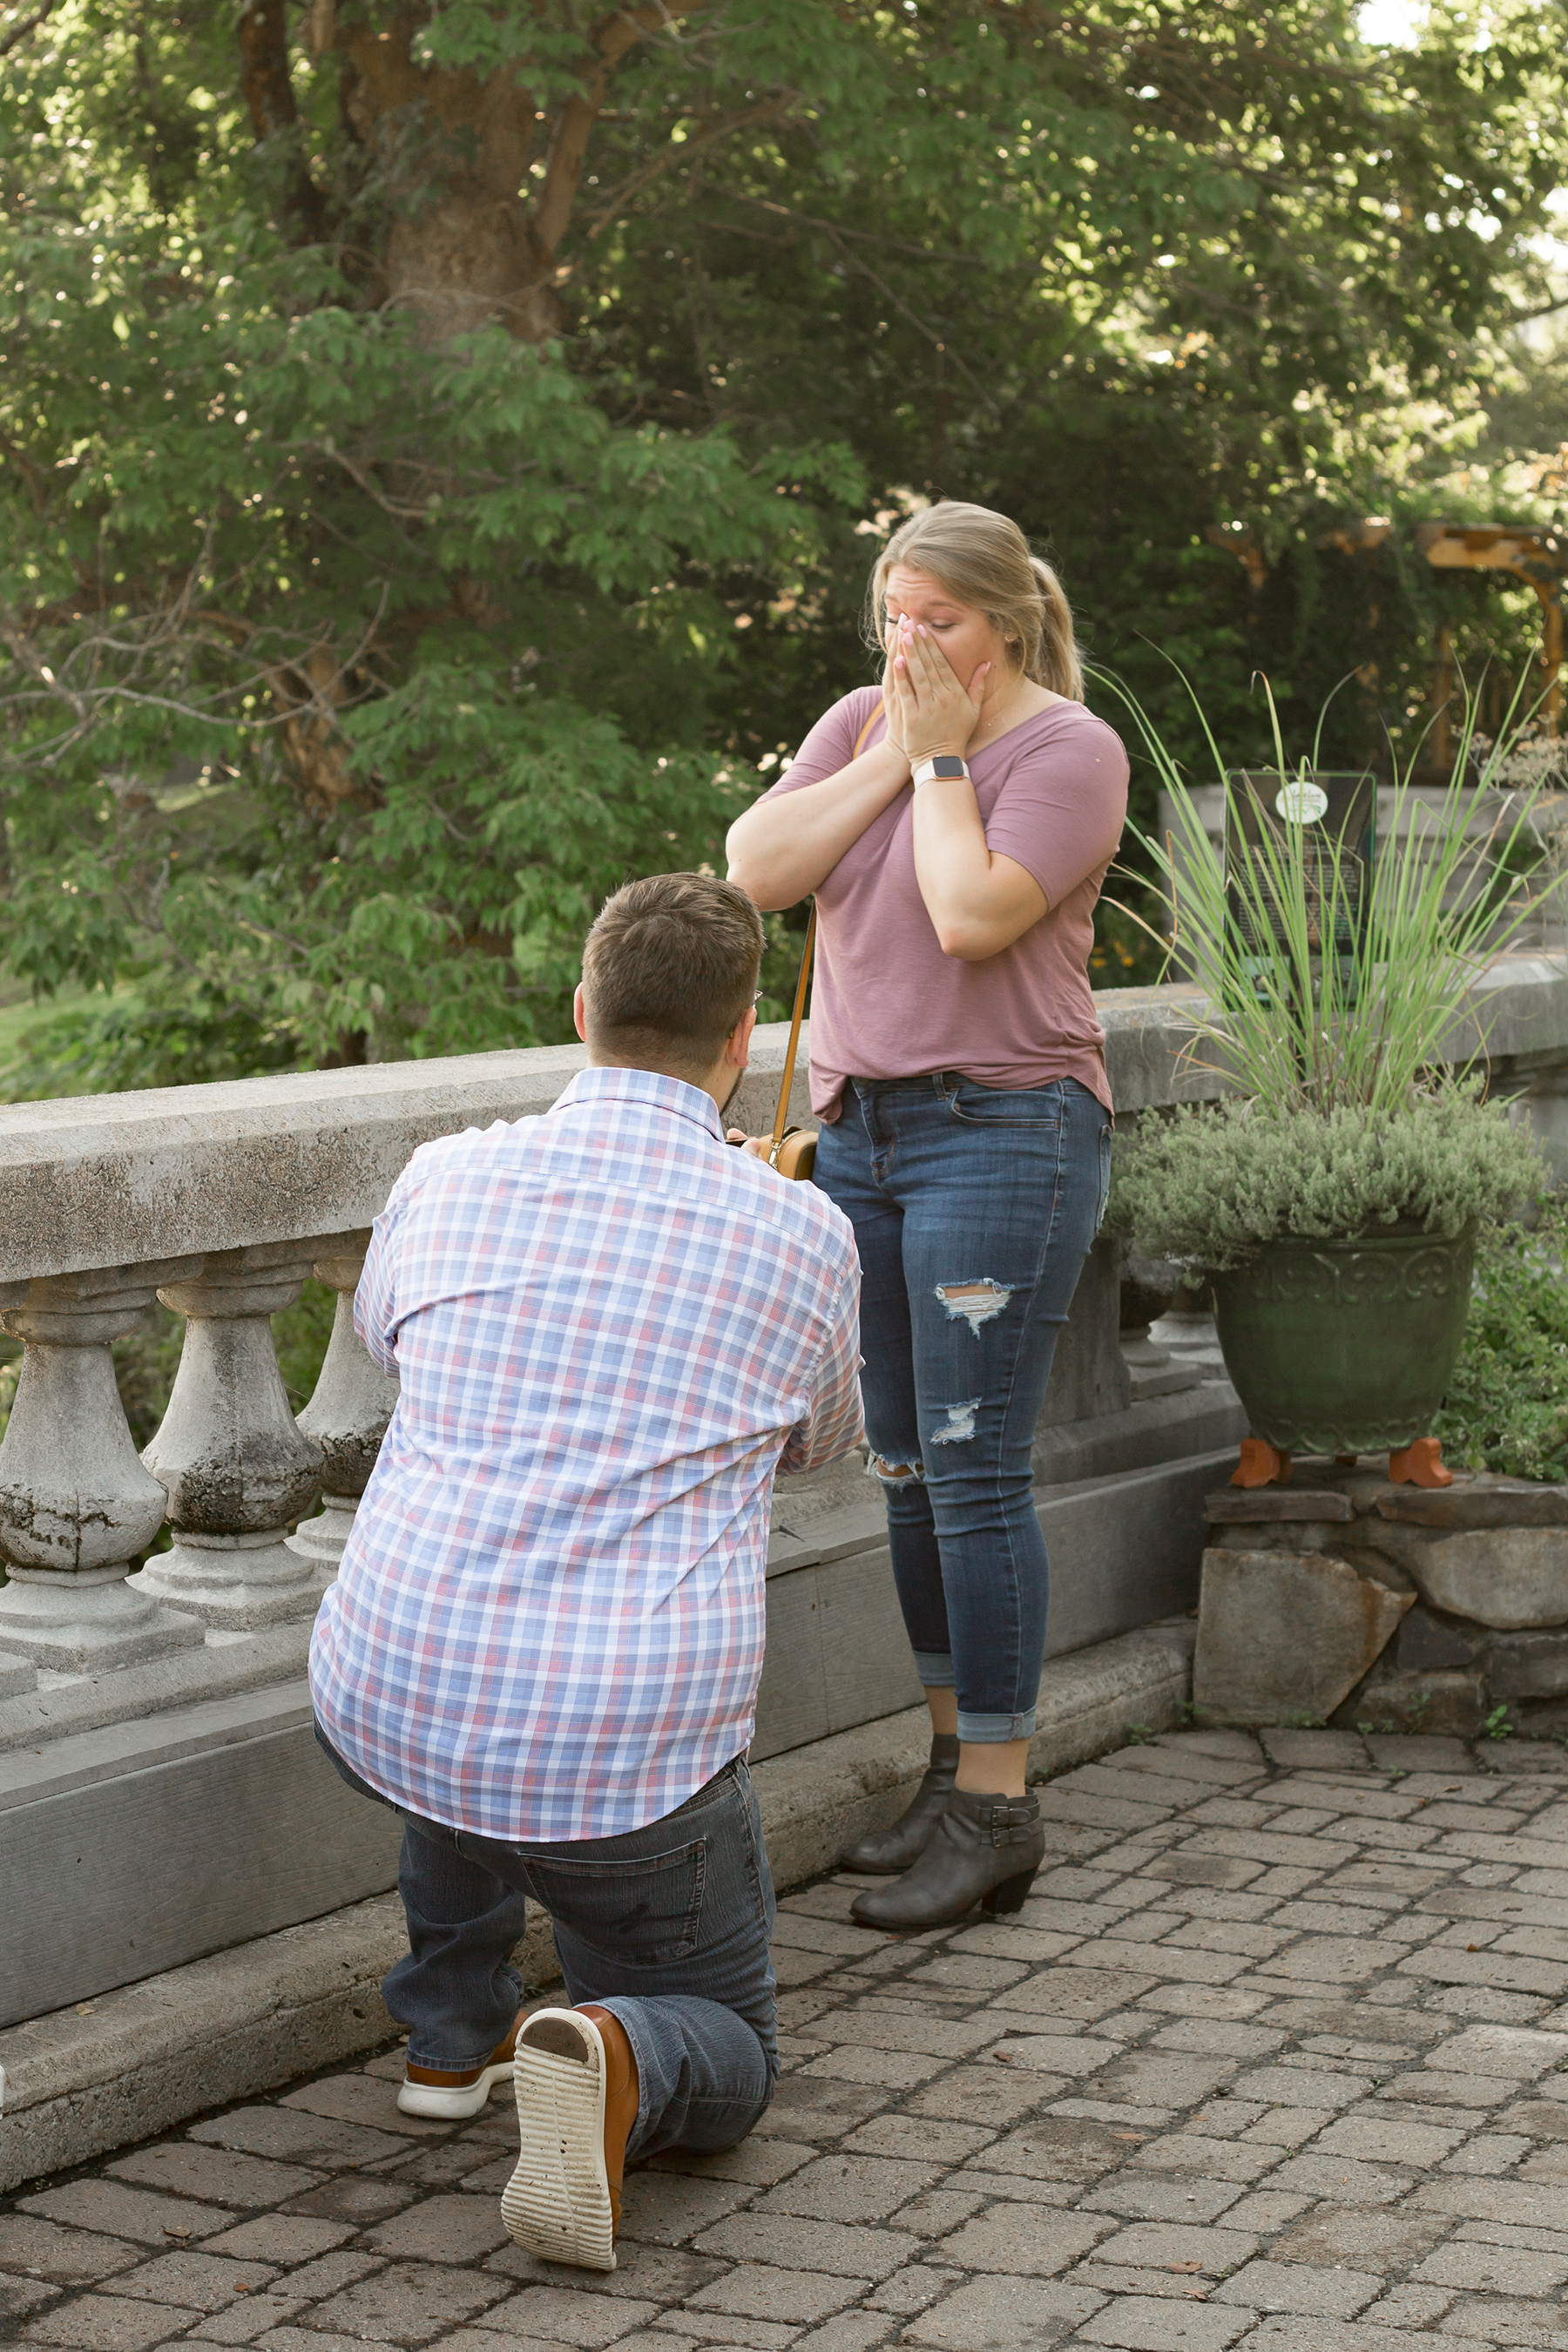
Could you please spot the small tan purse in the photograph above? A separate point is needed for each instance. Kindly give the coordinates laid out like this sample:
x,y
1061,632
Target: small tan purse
x,y
793,1148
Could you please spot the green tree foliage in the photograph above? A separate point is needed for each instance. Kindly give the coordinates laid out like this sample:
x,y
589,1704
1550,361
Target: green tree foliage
x,y
438,442
1507,1406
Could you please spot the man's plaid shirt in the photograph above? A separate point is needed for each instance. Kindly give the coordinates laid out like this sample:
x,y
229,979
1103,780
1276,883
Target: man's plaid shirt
x,y
610,1329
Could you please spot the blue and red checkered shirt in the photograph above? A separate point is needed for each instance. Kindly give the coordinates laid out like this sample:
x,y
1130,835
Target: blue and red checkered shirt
x,y
610,1329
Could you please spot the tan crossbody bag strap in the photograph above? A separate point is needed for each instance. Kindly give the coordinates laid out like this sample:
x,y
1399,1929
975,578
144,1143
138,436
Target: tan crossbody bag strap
x,y
781,1116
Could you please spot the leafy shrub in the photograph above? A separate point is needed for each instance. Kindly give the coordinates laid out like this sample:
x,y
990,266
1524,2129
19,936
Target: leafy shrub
x,y
1507,1406
1126,952
1209,1185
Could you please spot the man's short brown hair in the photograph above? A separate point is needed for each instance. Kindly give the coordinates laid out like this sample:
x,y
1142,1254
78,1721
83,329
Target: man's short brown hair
x,y
668,969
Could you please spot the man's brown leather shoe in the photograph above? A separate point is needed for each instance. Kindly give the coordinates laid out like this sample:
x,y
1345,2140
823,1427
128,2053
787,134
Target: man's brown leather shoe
x,y
426,2091
576,2081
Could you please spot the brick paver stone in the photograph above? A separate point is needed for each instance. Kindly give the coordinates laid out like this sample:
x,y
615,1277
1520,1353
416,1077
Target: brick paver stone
x,y
766,2293
279,2238
1151,2324
1274,2059
19,2296
408,2303
561,2317
205,2282
995,2315
35,2247
441,2229
123,2212
305,2139
106,2323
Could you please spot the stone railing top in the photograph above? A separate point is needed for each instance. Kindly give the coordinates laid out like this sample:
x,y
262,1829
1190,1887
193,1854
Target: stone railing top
x,y
91,1181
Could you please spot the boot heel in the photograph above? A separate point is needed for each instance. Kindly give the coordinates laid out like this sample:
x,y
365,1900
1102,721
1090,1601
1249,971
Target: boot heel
x,y
1011,1894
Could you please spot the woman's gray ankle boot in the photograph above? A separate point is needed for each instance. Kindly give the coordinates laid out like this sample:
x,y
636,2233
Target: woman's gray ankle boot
x,y
893,1850
983,1850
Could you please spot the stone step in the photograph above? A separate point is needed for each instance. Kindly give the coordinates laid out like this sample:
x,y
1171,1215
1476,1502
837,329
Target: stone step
x,y
104,2073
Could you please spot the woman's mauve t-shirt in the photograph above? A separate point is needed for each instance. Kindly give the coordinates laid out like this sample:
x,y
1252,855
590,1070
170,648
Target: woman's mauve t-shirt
x,y
886,1002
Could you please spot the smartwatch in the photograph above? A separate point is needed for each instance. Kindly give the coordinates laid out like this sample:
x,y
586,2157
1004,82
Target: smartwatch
x,y
944,764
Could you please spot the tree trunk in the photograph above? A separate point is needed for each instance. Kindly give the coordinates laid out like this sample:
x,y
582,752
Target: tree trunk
x,y
475,233
463,248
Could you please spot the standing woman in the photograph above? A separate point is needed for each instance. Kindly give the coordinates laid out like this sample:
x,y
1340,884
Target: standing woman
x,y
955,826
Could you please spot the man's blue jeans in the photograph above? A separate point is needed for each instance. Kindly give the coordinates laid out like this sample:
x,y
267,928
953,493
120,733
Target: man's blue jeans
x,y
667,1926
974,1208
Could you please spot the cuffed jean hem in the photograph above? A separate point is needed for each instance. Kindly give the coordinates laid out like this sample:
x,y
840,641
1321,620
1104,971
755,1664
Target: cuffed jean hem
x,y
935,1669
993,1729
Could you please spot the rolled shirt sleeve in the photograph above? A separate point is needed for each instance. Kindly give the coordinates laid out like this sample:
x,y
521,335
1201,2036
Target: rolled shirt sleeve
x,y
834,1425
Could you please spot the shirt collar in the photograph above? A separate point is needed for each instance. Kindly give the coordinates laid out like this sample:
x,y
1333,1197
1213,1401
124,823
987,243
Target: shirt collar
x,y
648,1087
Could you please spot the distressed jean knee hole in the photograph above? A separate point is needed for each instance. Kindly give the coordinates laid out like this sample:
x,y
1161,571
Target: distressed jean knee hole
x,y
974,1302
959,1426
896,1474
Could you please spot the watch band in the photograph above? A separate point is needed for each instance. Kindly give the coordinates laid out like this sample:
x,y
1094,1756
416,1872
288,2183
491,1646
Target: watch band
x,y
945,764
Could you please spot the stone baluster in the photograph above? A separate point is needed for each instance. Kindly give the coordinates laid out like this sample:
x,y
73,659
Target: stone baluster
x,y
239,1473
76,1505
348,1414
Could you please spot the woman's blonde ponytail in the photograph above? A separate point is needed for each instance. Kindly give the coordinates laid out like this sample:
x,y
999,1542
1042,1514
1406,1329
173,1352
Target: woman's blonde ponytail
x,y
1060,667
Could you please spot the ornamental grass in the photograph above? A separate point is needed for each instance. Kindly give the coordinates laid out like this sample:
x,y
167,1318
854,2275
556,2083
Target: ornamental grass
x,y
1341,1009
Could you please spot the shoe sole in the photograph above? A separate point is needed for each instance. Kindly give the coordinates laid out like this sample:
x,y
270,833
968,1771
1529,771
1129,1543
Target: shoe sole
x,y
449,2106
557,2203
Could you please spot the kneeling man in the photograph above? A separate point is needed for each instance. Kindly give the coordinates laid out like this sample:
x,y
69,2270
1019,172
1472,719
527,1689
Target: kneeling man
x,y
544,1644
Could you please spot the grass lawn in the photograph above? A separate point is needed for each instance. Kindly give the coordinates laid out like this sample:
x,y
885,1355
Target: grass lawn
x,y
19,1014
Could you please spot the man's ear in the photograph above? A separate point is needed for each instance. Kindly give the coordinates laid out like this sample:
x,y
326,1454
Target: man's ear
x,y
580,1014
737,1045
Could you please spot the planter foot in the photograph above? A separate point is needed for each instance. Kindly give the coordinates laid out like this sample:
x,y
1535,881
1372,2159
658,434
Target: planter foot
x,y
1260,1465
1419,1465
1346,1461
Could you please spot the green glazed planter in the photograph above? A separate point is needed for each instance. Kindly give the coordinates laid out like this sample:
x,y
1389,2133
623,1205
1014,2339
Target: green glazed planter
x,y
1346,1346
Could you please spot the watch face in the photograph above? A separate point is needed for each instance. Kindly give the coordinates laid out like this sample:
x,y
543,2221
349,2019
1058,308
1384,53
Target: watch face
x,y
948,766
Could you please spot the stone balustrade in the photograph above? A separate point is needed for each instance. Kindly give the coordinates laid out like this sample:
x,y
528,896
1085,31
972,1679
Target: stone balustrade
x,y
219,1201
257,1185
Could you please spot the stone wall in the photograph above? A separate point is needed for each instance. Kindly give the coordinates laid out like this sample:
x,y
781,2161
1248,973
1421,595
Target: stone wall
x,y
1346,1600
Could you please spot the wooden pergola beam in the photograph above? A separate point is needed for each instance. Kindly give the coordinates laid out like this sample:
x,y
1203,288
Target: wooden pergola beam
x,y
1536,553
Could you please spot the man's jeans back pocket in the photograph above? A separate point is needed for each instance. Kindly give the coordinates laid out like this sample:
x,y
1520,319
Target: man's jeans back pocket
x,y
643,1913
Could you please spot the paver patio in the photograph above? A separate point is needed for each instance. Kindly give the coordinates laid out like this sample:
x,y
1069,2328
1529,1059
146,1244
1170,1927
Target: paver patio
x,y
1276,2057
